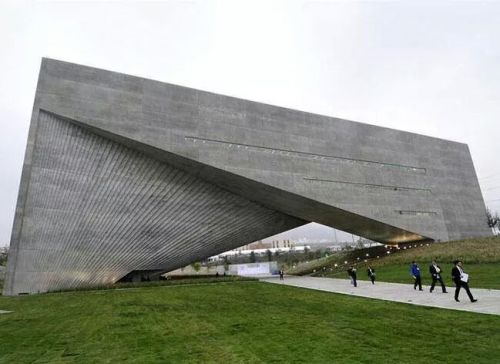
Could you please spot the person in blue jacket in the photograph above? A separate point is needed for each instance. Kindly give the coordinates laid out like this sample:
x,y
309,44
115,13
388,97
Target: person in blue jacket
x,y
415,272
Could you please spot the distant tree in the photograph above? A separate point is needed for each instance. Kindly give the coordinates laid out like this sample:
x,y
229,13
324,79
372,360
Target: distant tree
x,y
269,255
196,266
309,254
493,220
4,252
253,258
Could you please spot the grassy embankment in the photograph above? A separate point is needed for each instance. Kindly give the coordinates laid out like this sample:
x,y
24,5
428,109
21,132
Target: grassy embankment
x,y
237,322
481,259
176,281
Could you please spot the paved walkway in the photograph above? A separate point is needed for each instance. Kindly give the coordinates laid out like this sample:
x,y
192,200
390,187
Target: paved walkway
x,y
4,312
488,299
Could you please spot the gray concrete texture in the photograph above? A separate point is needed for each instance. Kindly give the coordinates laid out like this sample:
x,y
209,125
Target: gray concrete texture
x,y
123,173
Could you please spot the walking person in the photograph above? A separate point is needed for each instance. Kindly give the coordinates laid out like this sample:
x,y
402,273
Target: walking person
x,y
461,279
436,274
352,273
282,274
415,273
371,274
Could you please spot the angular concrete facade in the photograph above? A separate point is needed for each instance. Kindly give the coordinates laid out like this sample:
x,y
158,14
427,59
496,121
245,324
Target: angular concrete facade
x,y
126,174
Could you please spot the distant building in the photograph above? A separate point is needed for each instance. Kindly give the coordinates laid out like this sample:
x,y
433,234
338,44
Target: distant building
x,y
335,248
281,244
259,245
236,252
255,245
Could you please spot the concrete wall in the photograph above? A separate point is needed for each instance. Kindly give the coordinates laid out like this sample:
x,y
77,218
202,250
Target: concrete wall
x,y
244,269
96,210
76,224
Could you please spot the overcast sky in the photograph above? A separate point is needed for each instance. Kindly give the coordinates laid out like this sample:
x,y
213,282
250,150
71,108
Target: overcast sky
x,y
428,67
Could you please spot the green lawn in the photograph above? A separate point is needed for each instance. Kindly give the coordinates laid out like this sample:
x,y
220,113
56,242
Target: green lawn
x,y
239,322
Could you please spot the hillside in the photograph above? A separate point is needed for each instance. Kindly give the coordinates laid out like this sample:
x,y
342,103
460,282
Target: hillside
x,y
481,258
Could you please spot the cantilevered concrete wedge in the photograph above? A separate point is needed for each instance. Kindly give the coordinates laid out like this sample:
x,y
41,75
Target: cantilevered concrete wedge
x,y
123,173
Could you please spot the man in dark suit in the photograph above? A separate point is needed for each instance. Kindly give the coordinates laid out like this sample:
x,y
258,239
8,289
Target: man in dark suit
x,y
461,279
436,274
352,273
371,274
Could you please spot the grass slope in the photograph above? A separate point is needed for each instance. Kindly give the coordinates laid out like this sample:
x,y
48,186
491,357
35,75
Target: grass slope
x,y
482,275
481,259
471,251
239,322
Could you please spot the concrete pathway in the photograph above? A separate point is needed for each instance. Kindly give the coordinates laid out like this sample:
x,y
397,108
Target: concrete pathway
x,y
4,312
488,299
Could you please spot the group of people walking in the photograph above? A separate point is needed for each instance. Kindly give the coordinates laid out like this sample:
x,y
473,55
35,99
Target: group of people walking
x,y
352,273
459,277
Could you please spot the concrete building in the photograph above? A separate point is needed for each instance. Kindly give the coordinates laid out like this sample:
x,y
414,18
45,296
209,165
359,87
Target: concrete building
x,y
242,252
281,244
126,174
255,245
266,245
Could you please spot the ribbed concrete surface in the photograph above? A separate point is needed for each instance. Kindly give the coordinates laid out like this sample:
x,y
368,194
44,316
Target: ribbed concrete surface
x,y
488,299
97,210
